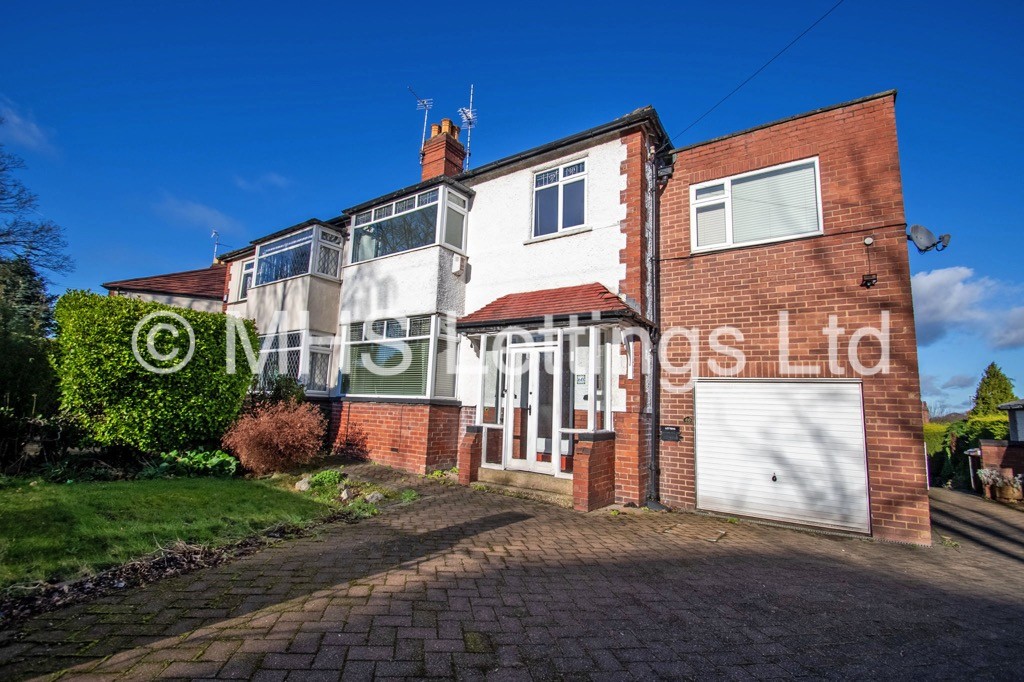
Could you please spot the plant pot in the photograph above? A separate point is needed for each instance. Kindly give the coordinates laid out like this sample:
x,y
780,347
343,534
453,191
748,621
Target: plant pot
x,y
1008,494
987,491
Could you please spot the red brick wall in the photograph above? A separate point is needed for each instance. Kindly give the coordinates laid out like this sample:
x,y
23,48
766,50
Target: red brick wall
x,y
593,478
811,278
1003,454
631,453
412,437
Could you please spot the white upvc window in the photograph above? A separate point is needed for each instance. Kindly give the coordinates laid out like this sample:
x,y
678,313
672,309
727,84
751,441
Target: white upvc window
x,y
314,249
301,355
560,198
763,206
413,357
248,269
436,216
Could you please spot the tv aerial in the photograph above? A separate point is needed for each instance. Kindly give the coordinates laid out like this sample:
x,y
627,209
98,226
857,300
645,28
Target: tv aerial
x,y
925,241
468,116
423,104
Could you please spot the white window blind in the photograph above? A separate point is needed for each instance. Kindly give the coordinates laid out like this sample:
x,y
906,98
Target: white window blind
x,y
763,206
775,204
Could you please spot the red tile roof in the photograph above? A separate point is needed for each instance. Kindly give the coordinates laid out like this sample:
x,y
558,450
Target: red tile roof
x,y
579,300
205,283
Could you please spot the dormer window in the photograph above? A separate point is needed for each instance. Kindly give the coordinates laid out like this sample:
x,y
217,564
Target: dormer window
x,y
294,255
437,216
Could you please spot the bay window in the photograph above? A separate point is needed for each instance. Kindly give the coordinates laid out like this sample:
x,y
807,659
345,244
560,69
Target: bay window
x,y
763,206
316,248
437,216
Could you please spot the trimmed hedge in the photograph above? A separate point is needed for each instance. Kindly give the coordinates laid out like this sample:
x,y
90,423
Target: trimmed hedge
x,y
118,401
935,437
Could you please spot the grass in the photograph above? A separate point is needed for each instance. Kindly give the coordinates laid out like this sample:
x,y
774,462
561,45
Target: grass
x,y
51,531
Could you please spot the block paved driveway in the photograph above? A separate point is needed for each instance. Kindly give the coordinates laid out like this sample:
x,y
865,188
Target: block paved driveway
x,y
473,585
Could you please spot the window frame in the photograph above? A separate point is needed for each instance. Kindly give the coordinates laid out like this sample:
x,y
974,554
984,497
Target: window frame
x,y
726,198
440,222
316,242
368,339
248,270
560,184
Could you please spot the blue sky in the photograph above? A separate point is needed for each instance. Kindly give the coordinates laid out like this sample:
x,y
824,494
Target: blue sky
x,y
145,125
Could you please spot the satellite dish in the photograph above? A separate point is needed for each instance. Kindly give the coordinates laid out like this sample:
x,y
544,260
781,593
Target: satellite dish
x,y
924,240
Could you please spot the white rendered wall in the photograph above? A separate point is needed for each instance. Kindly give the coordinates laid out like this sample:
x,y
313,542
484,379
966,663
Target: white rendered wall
x,y
502,256
504,259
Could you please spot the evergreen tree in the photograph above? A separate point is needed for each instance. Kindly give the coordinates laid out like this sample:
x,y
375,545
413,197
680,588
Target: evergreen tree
x,y
994,389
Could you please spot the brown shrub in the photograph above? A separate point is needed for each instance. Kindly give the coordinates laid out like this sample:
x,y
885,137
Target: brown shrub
x,y
277,436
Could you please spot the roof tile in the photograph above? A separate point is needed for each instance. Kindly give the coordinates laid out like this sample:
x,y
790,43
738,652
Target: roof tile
x,y
204,283
579,300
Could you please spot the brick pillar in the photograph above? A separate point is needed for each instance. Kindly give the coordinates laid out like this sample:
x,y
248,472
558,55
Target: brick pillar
x,y
469,454
593,476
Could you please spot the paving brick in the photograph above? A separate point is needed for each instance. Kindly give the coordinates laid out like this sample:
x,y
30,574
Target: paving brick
x,y
573,596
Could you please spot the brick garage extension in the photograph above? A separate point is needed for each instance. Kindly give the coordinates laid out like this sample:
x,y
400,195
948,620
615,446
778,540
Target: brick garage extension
x,y
811,278
413,437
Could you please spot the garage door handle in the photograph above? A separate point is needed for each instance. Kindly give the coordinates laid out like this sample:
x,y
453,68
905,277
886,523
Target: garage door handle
x,y
774,477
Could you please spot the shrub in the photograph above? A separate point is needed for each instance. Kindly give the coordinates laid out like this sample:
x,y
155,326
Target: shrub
x,y
935,437
199,463
328,478
283,389
277,436
120,402
353,446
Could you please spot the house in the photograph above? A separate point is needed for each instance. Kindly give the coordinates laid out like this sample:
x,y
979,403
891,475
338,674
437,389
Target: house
x,y
725,326
201,289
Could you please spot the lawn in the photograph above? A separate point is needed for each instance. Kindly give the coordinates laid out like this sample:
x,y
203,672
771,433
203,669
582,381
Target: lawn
x,y
66,531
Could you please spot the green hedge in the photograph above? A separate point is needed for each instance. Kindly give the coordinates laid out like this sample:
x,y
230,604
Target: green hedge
x,y
935,437
118,401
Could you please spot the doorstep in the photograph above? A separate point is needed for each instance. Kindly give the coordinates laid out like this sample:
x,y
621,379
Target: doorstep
x,y
540,487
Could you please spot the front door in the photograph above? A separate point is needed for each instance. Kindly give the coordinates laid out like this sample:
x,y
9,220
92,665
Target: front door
x,y
528,436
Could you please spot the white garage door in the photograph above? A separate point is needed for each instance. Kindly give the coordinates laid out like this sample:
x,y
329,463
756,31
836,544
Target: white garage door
x,y
784,450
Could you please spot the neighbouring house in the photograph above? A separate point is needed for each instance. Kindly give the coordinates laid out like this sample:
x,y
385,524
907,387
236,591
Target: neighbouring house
x,y
201,289
725,326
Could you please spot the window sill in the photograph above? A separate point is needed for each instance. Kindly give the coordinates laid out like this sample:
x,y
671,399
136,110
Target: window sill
x,y
697,251
326,278
556,235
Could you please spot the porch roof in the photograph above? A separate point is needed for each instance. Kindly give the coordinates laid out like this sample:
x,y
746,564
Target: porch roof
x,y
534,306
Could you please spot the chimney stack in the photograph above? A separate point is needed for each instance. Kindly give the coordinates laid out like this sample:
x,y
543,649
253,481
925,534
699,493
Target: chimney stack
x,y
442,154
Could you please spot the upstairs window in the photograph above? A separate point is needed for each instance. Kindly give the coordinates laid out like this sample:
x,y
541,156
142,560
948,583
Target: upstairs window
x,y
559,198
754,208
247,272
293,256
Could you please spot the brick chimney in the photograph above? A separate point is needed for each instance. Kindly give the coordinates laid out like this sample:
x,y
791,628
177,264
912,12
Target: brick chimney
x,y
442,153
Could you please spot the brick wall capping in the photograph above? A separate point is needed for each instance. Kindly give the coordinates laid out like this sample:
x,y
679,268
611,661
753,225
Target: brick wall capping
x,y
401,400
1001,443
595,436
